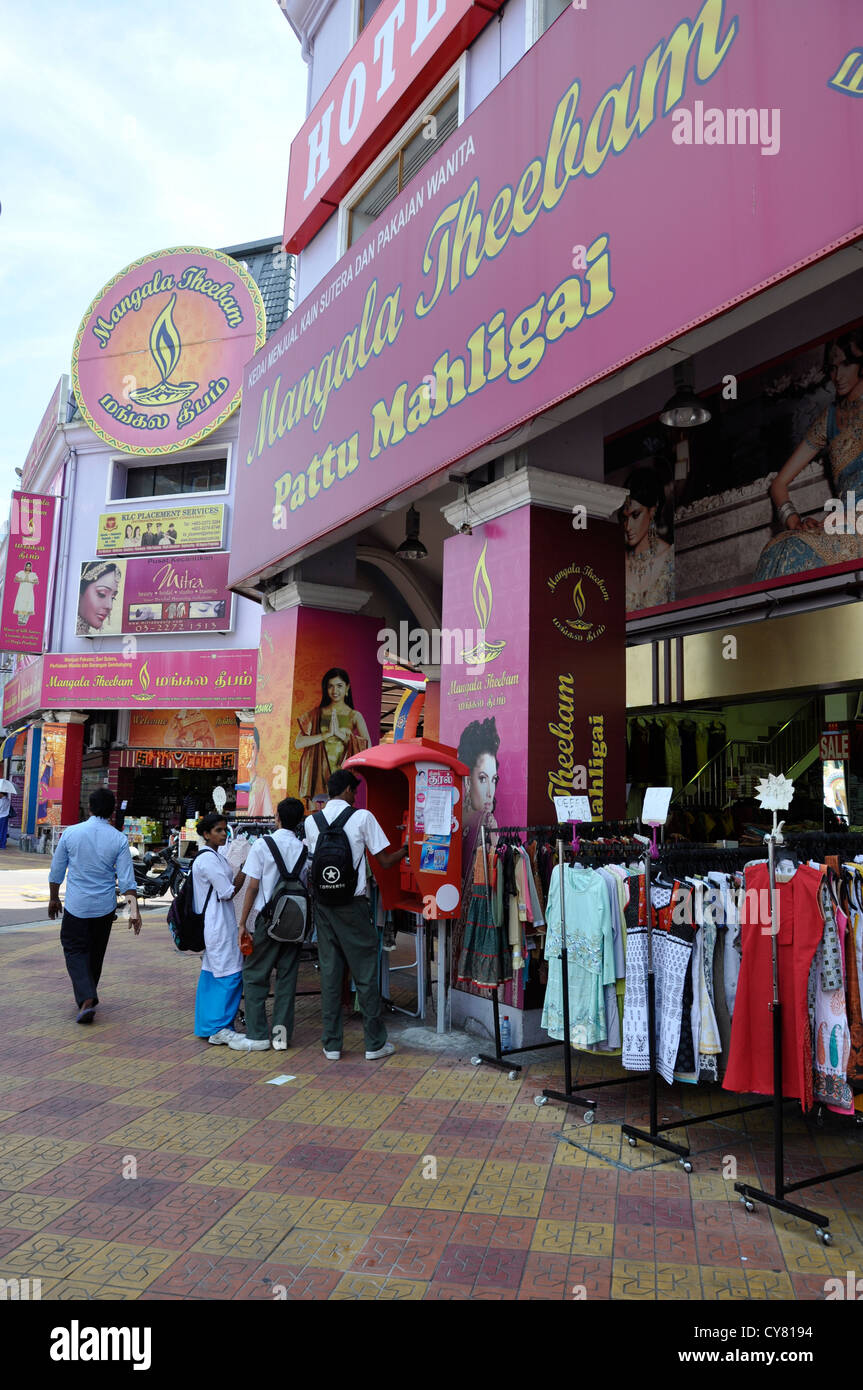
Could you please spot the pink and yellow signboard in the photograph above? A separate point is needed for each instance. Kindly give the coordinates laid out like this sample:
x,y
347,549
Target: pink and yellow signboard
x,y
111,680
157,363
548,243
28,570
183,728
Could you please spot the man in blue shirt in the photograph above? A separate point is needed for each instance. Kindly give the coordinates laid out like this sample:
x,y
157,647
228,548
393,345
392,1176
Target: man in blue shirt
x,y
99,864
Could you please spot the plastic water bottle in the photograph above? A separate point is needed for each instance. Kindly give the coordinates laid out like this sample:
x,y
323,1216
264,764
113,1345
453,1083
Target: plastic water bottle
x,y
505,1034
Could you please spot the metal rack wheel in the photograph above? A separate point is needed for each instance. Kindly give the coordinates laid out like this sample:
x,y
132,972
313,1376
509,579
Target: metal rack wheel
x,y
513,1075
540,1100
750,1206
824,1236
632,1142
685,1165
476,1061
589,1116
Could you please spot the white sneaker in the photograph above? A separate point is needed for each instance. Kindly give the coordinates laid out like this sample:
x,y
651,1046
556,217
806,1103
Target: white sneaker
x,y
386,1051
332,1056
224,1035
240,1043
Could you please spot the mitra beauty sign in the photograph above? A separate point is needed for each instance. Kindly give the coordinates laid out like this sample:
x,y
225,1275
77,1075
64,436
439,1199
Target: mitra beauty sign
x,y
28,569
157,363
616,188
159,592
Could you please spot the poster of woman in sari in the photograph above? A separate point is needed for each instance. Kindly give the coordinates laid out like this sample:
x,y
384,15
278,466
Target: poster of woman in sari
x,y
329,733
808,544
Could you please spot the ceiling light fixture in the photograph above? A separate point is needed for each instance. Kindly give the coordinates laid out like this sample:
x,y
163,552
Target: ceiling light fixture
x,y
412,547
684,410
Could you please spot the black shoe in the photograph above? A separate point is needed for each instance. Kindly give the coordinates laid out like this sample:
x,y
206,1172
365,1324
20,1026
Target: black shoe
x,y
86,1012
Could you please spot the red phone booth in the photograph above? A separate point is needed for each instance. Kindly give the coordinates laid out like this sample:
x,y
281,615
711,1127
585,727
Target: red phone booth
x,y
415,792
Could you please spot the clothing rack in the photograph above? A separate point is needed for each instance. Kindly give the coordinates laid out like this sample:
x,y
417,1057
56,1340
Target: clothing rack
x,y
499,1054
847,846
563,833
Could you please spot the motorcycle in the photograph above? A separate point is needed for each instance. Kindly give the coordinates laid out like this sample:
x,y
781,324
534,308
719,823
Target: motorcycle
x,y
168,875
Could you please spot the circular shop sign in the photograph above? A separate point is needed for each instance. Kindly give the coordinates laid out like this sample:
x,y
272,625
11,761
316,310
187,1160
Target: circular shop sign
x,y
158,359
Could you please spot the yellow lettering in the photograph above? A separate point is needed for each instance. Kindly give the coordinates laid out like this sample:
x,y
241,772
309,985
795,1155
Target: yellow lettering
x,y
448,376
601,293
565,308
675,52
526,350
388,425
496,214
419,408
298,496
524,217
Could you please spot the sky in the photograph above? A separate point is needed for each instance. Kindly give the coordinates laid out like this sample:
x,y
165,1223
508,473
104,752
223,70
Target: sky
x,y
127,128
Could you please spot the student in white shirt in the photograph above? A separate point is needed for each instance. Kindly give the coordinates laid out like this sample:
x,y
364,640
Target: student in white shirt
x,y
347,935
220,983
262,878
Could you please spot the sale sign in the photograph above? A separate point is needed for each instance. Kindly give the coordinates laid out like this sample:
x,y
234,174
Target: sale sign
x,y
835,746
158,359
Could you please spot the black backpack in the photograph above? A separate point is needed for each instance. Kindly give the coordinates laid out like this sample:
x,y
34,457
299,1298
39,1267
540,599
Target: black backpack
x,y
333,878
286,915
187,925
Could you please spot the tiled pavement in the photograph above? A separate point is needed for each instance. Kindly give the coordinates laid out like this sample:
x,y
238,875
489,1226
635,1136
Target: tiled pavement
x,y
137,1162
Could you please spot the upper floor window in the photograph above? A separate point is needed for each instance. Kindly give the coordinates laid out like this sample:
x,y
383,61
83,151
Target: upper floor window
x,y
166,479
367,9
437,125
549,11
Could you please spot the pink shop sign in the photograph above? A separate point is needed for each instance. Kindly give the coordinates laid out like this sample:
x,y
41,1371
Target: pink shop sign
x,y
583,215
164,680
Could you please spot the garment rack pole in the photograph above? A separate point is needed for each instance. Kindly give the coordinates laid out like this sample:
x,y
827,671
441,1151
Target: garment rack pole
x,y
566,1095
778,1197
499,1059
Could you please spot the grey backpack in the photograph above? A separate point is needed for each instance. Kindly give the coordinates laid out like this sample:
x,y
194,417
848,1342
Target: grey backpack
x,y
286,916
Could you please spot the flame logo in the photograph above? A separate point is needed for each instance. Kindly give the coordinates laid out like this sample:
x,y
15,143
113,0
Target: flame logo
x,y
165,344
165,349
144,682
482,593
482,603
579,599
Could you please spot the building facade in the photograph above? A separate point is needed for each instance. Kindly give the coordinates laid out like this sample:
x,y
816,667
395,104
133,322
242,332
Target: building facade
x,y
521,230
138,666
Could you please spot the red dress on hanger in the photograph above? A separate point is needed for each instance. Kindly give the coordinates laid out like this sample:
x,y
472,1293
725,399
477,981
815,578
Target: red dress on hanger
x,y
801,926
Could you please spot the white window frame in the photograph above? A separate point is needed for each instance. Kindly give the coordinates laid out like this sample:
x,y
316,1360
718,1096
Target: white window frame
x,y
456,74
534,15
128,462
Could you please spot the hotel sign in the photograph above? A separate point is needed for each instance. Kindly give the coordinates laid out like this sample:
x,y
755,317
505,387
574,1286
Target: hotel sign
x,y
401,55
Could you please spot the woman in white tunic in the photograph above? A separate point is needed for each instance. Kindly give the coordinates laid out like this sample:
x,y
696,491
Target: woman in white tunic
x,y
220,984
25,600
